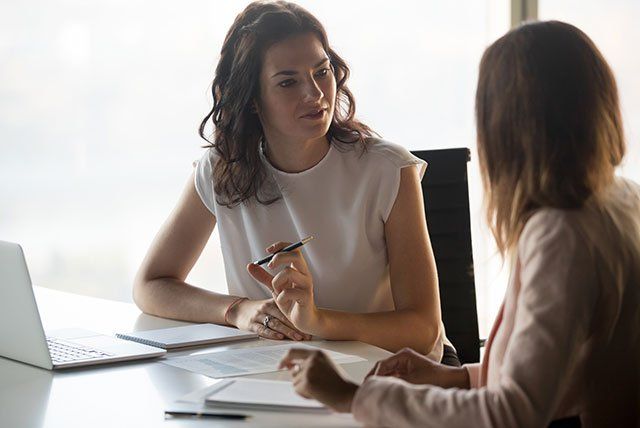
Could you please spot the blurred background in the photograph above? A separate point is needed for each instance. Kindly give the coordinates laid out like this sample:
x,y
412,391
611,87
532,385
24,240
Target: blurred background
x,y
100,104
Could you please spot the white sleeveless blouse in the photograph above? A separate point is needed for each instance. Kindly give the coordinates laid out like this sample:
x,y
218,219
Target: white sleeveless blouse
x,y
343,201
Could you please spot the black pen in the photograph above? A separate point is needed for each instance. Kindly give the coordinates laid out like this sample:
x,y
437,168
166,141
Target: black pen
x,y
205,414
288,248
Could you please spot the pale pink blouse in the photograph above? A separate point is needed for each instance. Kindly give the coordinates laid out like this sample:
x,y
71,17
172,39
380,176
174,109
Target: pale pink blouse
x,y
566,340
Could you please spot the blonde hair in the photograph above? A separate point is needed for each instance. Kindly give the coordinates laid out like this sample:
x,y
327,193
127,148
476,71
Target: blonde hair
x,y
548,123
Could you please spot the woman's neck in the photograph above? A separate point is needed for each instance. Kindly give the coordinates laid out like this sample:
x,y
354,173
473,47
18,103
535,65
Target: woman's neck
x,y
294,155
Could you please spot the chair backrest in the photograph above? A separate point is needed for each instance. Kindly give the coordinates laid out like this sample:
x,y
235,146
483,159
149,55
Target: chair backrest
x,y
446,203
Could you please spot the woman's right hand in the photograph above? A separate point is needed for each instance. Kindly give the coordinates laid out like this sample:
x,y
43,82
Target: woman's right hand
x,y
250,315
415,368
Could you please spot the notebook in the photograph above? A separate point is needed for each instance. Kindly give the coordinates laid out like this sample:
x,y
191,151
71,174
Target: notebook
x,y
189,335
260,394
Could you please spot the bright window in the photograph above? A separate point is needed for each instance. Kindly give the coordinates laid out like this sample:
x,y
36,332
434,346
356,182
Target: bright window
x,y
613,26
100,102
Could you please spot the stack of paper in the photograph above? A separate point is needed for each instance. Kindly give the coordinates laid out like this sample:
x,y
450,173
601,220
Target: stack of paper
x,y
261,394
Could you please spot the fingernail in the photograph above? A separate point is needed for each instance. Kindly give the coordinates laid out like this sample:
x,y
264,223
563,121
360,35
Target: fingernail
x,y
298,337
270,265
280,336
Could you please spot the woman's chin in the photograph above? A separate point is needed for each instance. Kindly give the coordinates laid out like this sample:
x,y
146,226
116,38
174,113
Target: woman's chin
x,y
316,130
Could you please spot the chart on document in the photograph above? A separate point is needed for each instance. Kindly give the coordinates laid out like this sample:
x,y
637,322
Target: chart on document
x,y
238,362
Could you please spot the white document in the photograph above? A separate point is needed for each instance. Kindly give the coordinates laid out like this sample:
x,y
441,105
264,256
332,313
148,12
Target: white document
x,y
238,362
261,416
262,394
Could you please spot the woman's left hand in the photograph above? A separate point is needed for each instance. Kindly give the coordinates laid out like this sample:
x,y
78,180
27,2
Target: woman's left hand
x,y
292,287
316,376
416,368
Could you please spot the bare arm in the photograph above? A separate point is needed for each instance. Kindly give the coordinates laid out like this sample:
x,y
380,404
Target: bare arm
x,y
159,288
414,282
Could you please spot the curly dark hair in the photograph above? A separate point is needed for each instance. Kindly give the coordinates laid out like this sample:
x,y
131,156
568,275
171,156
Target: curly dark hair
x,y
238,173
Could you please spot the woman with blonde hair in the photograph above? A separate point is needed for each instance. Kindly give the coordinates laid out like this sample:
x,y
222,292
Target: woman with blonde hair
x,y
565,347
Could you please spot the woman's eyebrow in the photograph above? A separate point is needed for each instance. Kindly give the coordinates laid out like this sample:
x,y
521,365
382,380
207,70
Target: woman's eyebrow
x,y
321,62
293,72
285,73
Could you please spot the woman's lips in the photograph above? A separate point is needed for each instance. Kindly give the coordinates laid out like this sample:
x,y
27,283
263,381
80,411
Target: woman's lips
x,y
318,114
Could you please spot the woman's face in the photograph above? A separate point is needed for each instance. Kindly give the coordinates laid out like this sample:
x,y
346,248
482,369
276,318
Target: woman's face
x,y
297,90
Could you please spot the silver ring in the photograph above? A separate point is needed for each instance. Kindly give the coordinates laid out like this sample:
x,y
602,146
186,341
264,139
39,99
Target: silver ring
x,y
296,369
265,321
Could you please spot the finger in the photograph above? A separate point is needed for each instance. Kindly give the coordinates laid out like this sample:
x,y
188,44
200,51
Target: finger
x,y
294,258
387,368
295,356
289,324
276,325
409,352
283,319
277,246
287,277
290,363
293,295
373,370
272,309
260,275
302,389
294,371
267,333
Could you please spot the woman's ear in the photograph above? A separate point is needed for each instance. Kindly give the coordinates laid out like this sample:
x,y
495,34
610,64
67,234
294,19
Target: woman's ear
x,y
254,107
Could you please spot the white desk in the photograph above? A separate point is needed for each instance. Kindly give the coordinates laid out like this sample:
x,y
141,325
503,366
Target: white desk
x,y
135,393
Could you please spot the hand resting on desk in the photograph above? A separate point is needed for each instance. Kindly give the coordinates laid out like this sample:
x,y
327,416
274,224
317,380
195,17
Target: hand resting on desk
x,y
415,368
316,376
250,314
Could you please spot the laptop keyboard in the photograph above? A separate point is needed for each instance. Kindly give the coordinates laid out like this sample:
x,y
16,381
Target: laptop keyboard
x,y
64,352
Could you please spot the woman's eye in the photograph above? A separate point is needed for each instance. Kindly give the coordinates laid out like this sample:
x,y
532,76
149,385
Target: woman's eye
x,y
286,83
323,72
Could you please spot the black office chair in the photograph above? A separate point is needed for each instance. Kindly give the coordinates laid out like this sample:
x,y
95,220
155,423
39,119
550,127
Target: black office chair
x,y
446,201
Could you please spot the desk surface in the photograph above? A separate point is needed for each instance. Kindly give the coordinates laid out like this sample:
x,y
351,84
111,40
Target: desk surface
x,y
132,393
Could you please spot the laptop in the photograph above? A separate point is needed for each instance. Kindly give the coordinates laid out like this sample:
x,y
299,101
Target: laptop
x,y
22,337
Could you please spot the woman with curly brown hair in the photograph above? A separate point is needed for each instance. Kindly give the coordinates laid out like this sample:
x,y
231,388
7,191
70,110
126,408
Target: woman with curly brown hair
x,y
288,159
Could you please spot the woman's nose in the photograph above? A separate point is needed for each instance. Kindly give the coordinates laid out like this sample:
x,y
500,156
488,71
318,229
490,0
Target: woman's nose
x,y
312,91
